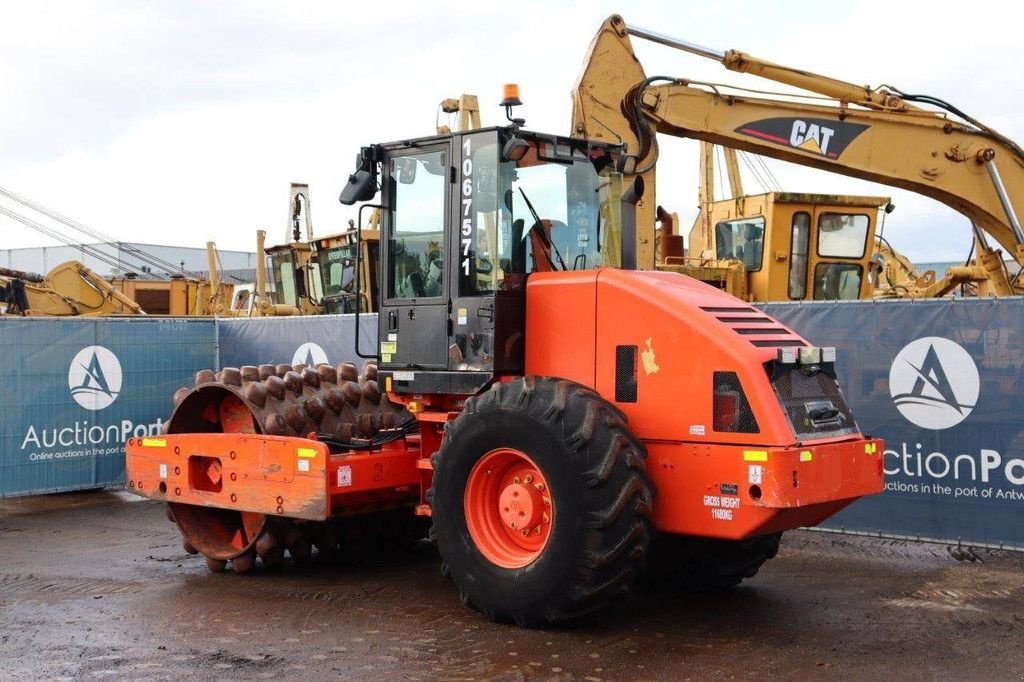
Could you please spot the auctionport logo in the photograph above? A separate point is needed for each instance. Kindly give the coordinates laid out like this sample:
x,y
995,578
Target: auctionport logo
x,y
309,354
94,377
934,383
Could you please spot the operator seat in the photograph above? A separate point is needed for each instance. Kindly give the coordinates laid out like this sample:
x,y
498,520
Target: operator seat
x,y
420,284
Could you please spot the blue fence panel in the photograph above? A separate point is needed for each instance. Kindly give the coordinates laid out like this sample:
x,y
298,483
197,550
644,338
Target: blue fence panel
x,y
941,382
294,340
78,388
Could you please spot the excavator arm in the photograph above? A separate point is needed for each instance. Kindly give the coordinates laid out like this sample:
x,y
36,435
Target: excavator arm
x,y
874,135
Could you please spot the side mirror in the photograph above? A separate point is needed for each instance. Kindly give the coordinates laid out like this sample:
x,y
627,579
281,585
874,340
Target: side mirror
x,y
361,186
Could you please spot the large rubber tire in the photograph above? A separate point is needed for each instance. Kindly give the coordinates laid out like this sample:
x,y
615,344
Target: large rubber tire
x,y
595,471
695,563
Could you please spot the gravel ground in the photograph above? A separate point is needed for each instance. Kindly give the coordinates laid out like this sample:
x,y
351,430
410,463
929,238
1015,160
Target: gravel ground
x,y
96,585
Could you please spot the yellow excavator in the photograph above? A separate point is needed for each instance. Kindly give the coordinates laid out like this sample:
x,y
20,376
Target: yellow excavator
x,y
73,289
68,289
757,247
915,142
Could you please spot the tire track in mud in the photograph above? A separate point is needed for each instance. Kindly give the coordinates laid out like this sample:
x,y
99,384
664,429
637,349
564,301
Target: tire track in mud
x,y
26,586
976,598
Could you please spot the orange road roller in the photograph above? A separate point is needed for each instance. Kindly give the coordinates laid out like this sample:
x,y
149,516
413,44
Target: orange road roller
x,y
562,422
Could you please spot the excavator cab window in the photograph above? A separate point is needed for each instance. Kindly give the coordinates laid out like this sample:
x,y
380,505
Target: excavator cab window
x,y
842,235
285,290
837,281
798,255
338,270
741,240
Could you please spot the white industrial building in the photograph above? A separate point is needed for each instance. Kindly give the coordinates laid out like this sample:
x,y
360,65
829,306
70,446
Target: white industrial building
x,y
235,266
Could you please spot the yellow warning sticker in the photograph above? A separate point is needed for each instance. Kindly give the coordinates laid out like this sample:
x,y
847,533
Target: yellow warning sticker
x,y
385,357
806,456
755,455
308,453
389,347
154,443
870,448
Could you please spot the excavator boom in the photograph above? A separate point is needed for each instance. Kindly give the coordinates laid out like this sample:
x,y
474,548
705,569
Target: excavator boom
x,y
871,134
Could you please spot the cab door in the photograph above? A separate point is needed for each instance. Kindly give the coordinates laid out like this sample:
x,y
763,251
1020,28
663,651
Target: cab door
x,y
475,268
414,327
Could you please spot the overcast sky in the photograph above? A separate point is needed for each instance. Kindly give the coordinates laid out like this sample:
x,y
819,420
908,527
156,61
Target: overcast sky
x,y
177,122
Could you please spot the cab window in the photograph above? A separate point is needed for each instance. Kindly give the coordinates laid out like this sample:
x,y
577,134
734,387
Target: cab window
x,y
416,238
842,235
741,240
798,255
283,268
338,270
837,281
554,208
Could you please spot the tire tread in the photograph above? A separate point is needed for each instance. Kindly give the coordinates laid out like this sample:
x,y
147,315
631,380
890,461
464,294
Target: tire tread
x,y
616,489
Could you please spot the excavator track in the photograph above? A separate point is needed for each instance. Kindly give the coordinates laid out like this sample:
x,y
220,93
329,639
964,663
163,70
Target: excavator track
x,y
284,400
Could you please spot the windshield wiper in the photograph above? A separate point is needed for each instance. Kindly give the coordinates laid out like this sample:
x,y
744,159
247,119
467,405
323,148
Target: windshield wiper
x,y
543,237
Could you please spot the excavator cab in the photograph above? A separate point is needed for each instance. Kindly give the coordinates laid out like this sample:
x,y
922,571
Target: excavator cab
x,y
465,217
794,246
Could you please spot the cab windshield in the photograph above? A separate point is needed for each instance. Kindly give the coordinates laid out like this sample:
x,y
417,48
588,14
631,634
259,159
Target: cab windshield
x,y
338,270
338,277
555,208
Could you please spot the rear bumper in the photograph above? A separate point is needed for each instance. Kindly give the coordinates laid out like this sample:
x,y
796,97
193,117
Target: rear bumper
x,y
277,475
735,492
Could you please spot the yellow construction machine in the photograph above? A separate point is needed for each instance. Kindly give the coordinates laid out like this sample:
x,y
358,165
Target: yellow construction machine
x,y
336,273
915,142
68,289
308,276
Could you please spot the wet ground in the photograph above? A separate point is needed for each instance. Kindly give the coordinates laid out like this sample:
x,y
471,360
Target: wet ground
x,y
96,585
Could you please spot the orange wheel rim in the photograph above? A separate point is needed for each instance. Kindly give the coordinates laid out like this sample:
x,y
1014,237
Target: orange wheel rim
x,y
509,509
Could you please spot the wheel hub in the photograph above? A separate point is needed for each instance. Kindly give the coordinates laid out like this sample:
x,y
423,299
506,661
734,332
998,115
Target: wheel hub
x,y
509,510
520,506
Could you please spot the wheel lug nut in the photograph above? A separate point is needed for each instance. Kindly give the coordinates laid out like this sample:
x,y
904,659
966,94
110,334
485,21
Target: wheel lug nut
x,y
539,486
526,531
516,480
545,518
529,478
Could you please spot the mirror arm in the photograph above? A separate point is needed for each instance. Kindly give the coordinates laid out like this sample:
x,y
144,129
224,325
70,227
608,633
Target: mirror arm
x,y
358,285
